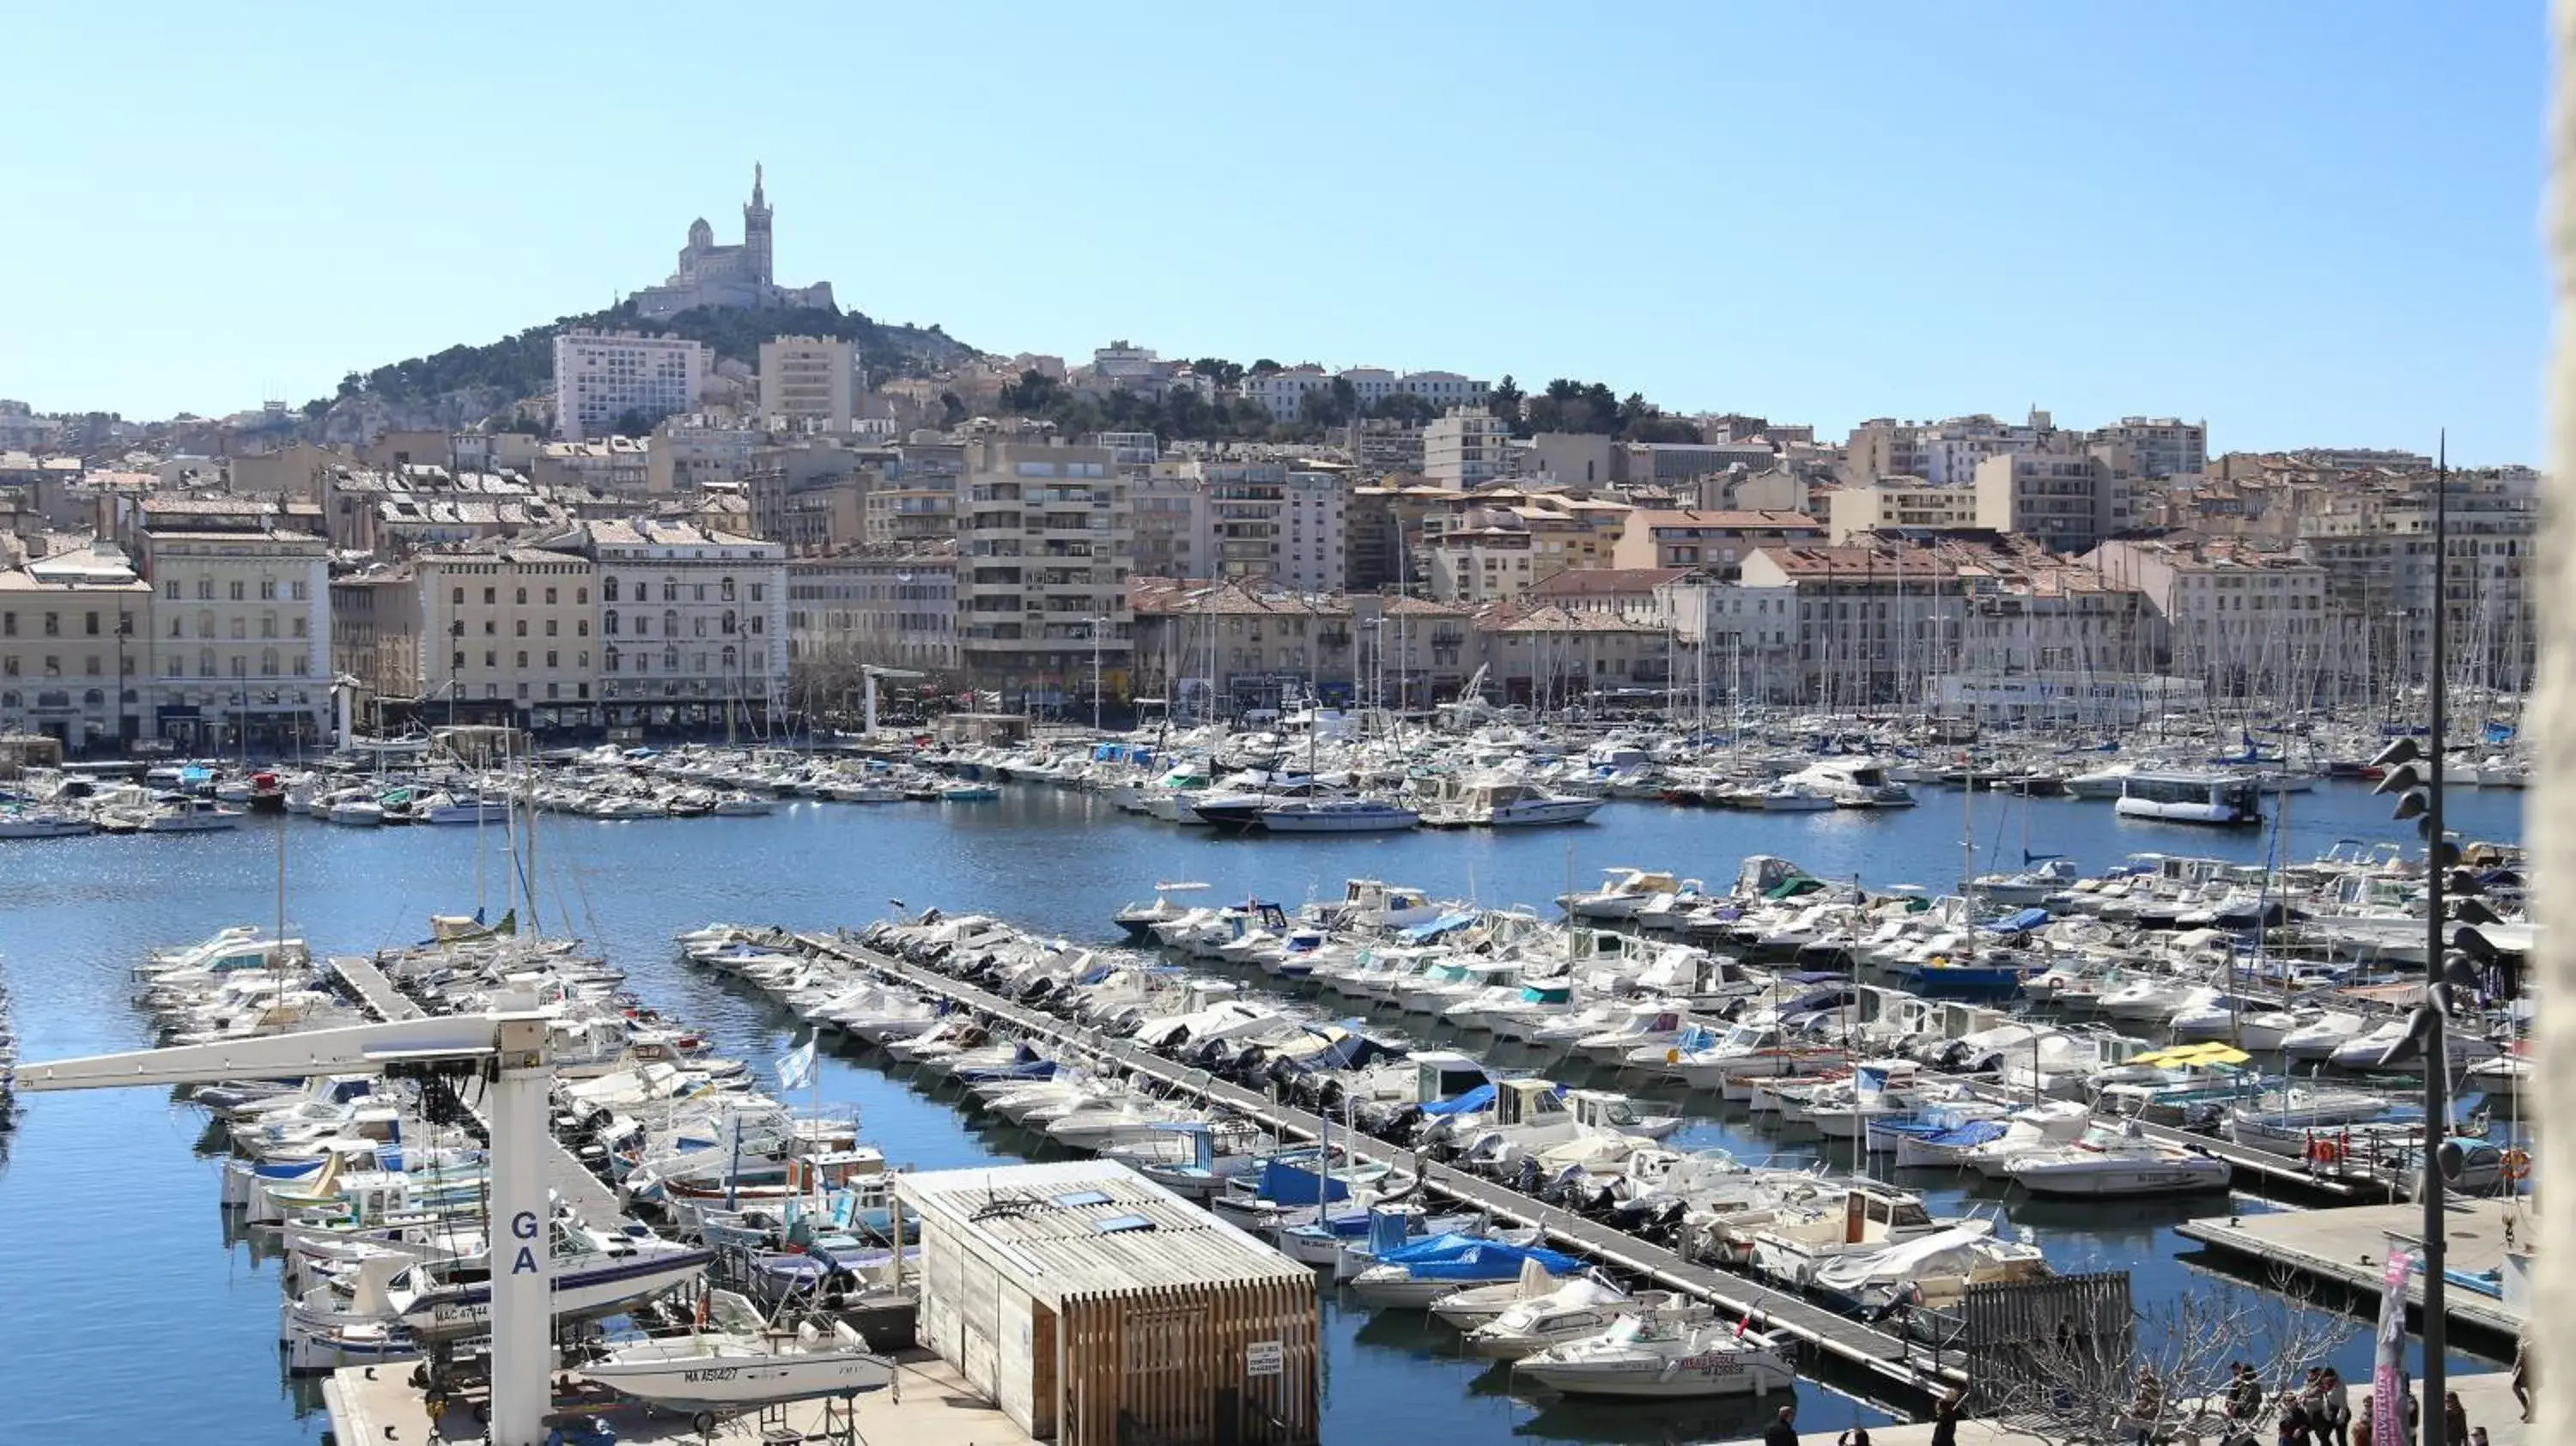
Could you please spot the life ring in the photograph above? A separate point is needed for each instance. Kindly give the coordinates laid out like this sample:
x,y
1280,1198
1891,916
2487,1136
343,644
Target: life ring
x,y
2517,1164
2325,1151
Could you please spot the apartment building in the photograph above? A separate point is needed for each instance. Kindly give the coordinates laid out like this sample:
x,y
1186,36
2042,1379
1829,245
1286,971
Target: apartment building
x,y
1943,452
1486,558
1258,520
2374,538
1169,503
2070,503
2159,446
376,637
1046,542
241,624
506,635
1283,393
881,606
1240,644
1384,528
604,378
1467,447
808,381
75,647
904,516
1894,502
1716,541
692,624
2248,623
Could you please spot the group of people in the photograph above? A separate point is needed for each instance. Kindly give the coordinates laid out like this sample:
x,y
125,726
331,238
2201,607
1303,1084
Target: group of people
x,y
1783,1430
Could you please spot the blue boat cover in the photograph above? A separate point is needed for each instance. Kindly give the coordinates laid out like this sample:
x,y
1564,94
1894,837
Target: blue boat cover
x,y
2019,923
1439,926
1975,1132
1293,1182
1452,1256
1475,1099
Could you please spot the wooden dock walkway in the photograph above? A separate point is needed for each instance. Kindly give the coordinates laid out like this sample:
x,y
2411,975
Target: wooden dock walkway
x,y
2348,1247
589,1197
1884,1356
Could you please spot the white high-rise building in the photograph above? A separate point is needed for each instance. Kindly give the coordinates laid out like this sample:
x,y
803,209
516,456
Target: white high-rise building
x,y
601,377
807,379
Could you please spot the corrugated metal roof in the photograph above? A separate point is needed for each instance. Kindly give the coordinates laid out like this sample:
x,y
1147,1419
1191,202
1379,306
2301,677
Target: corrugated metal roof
x,y
1090,1227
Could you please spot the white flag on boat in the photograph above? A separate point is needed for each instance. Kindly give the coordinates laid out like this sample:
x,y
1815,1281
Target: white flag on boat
x,y
796,1066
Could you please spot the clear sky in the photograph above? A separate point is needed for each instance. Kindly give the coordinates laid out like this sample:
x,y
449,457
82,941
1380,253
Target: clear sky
x,y
2308,223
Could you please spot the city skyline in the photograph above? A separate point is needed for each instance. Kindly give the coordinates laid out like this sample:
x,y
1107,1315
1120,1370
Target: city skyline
x,y
2191,211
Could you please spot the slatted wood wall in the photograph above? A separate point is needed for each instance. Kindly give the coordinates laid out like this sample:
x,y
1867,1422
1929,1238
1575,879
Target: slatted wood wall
x,y
1159,1357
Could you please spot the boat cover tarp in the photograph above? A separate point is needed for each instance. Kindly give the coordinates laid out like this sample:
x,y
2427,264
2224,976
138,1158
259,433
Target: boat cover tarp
x,y
1481,1097
1437,927
2021,922
1452,1256
1294,1182
1961,1137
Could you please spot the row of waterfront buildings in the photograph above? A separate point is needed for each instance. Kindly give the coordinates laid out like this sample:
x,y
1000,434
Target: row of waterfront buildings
x,y
210,601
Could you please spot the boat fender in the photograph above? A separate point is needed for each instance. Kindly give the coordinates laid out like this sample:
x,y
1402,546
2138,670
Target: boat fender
x,y
2517,1164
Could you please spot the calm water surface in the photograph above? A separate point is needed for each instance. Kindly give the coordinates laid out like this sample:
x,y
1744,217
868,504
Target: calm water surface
x,y
134,1320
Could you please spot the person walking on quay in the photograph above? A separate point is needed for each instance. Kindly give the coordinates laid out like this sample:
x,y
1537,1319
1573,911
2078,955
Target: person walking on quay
x,y
2522,1375
2361,1423
2455,1418
1945,1422
1783,1430
2334,1420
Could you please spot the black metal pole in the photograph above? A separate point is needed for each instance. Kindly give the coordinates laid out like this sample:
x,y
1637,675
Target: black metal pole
x,y
2437,1052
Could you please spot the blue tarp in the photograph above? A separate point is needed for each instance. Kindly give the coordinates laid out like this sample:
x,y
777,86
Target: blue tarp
x,y
1452,1256
1293,1182
1439,926
1481,1097
2019,923
1975,1132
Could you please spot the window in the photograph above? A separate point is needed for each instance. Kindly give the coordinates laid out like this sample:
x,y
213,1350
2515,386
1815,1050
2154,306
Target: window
x,y
580,595
670,660
491,658
297,627
726,588
237,590
456,662
300,661
550,627
608,623
268,589
581,690
205,589
670,589
670,622
611,660
581,627
91,625
295,590
241,629
523,692
457,598
95,665
268,663
491,595
522,626
607,590
550,659
522,598
491,627
268,625
170,589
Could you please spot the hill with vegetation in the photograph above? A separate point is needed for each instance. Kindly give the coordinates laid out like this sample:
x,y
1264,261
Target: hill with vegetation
x,y
466,385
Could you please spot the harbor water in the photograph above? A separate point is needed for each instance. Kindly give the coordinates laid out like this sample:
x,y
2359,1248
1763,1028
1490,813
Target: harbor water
x,y
113,1253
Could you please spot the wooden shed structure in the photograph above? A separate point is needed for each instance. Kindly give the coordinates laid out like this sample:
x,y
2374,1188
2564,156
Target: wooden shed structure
x,y
1096,1308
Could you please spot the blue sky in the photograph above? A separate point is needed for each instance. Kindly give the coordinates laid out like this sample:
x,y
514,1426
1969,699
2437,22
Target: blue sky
x,y
2306,223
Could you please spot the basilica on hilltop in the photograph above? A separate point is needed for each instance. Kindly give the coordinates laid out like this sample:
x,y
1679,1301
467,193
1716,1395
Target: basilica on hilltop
x,y
734,276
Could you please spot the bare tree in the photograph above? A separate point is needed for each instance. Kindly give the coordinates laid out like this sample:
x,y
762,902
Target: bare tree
x,y
2167,1371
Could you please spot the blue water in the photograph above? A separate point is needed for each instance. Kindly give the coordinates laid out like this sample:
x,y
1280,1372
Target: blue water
x,y
132,1319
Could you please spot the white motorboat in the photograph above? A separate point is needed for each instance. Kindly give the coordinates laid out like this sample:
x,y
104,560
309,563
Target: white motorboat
x,y
734,1359
2222,799
190,815
1571,1311
1337,815
2372,1051
44,823
1623,892
2117,1159
1658,1356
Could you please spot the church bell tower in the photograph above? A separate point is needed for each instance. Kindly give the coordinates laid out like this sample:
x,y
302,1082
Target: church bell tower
x,y
755,230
